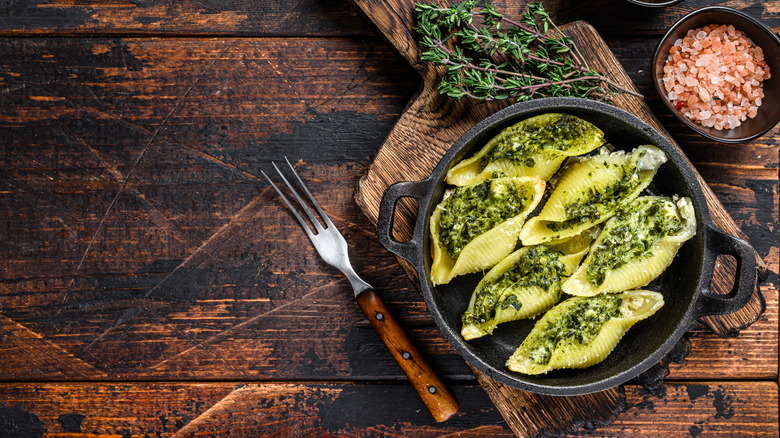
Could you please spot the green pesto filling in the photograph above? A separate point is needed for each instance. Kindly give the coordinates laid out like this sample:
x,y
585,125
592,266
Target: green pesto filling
x,y
596,203
474,210
580,324
541,266
522,143
637,229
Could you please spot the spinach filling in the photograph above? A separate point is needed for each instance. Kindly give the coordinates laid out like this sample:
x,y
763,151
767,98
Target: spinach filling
x,y
541,266
636,231
596,203
473,210
522,143
580,324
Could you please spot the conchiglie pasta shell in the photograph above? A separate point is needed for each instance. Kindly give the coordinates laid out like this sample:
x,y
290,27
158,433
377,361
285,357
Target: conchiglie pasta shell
x,y
637,305
636,273
577,180
534,300
487,249
546,162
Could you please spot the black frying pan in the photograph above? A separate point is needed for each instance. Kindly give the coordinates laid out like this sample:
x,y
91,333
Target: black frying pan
x,y
685,284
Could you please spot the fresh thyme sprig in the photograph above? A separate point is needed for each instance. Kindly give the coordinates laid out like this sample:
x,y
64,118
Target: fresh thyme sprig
x,y
490,57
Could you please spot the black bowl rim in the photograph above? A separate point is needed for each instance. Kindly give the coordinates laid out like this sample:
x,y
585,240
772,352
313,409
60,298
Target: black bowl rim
x,y
657,81
654,5
560,104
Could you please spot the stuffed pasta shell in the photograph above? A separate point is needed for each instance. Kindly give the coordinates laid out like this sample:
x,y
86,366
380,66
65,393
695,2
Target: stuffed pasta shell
x,y
476,226
590,190
582,331
636,246
533,147
523,285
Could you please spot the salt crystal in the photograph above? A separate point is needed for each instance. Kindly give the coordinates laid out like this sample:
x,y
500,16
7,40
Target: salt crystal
x,y
717,72
704,95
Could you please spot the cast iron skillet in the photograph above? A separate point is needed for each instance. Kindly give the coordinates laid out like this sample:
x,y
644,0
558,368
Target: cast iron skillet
x,y
685,284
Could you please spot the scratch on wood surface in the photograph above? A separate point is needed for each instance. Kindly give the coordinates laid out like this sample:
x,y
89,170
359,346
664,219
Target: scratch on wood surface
x,y
213,243
222,405
188,336
44,203
127,315
158,217
227,332
9,90
215,160
38,350
138,160
352,85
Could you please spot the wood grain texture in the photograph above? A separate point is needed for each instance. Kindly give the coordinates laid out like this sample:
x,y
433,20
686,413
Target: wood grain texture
x,y
310,18
531,415
354,410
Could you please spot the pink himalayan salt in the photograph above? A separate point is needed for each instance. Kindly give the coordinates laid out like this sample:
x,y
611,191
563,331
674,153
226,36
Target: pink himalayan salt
x,y
715,75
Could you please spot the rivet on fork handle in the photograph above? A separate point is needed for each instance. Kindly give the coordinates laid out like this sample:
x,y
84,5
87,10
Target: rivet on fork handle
x,y
434,394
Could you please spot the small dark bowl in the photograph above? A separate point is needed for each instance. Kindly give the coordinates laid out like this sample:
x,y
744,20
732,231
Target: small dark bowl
x,y
769,111
654,3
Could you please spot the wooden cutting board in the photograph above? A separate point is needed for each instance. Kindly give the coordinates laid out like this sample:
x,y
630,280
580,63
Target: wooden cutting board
x,y
431,124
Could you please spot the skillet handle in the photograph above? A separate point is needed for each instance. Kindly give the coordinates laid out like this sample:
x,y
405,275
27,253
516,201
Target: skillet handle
x,y
711,303
406,189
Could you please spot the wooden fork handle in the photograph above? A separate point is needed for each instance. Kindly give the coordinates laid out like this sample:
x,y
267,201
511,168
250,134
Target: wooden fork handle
x,y
430,388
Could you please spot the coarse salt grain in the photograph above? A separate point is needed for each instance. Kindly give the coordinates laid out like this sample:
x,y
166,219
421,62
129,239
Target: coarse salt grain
x,y
715,75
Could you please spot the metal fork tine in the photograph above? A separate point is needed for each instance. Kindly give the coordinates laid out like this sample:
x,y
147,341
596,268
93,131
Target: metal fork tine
x,y
290,206
313,201
306,209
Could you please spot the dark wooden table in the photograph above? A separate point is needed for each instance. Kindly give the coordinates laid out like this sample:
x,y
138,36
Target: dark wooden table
x,y
151,283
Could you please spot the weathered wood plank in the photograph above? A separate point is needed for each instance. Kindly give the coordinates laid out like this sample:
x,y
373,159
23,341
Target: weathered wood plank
x,y
236,17
343,409
312,18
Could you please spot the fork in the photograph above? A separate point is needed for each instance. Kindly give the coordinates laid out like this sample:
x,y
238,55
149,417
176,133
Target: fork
x,y
332,247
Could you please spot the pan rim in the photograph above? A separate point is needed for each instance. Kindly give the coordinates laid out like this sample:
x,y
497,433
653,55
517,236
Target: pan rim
x,y
517,112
